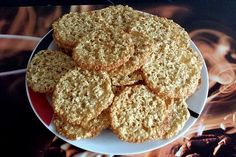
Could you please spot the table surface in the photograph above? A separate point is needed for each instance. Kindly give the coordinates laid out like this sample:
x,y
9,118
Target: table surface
x,y
211,26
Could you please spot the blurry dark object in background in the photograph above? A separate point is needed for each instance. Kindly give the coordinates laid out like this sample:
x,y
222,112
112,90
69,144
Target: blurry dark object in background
x,y
22,134
19,61
30,21
59,148
77,2
212,143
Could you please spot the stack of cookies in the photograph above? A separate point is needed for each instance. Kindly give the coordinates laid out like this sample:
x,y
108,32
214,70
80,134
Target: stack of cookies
x,y
117,68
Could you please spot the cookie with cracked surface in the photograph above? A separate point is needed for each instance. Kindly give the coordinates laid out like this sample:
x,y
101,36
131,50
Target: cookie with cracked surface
x,y
143,47
75,132
68,29
82,95
173,73
46,68
119,16
103,49
163,31
128,79
137,114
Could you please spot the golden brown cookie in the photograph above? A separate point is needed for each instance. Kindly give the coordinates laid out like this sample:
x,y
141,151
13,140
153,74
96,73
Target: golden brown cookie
x,y
103,49
68,29
173,73
81,95
119,16
137,114
175,119
143,47
46,68
163,31
75,132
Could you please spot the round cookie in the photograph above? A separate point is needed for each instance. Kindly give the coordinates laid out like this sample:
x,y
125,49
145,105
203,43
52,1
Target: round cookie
x,y
173,73
68,29
75,132
119,16
103,49
163,31
81,95
175,119
137,114
144,46
46,68
128,79
63,30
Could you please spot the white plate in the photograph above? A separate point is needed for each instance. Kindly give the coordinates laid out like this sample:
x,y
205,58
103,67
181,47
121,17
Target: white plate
x,y
107,142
